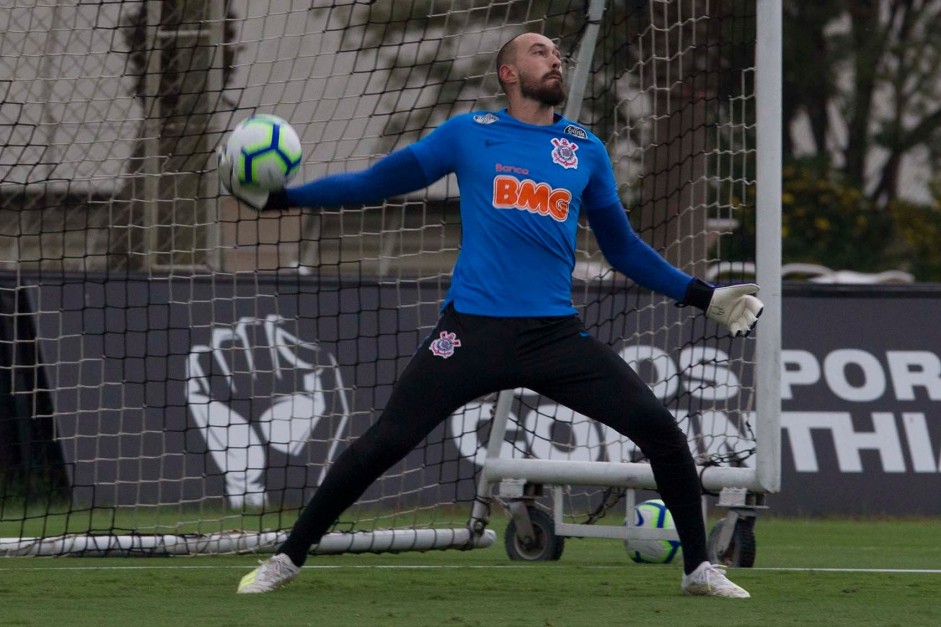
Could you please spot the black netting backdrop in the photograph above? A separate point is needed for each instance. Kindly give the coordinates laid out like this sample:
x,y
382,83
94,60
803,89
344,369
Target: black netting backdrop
x,y
173,362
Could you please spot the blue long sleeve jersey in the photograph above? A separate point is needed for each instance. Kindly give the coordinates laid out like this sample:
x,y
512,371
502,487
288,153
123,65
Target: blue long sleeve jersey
x,y
522,190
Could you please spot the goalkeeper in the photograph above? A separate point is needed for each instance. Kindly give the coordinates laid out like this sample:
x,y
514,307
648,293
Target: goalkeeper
x,y
525,174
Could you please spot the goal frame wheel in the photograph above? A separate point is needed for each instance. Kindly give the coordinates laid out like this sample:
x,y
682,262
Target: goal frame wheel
x,y
735,545
543,546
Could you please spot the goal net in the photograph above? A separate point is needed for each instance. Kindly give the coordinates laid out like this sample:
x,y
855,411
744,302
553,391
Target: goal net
x,y
178,372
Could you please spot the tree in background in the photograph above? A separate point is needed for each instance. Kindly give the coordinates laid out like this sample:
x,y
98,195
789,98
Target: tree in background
x,y
862,101
423,49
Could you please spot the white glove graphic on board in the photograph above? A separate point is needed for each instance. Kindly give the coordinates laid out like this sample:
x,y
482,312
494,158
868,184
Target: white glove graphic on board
x,y
254,388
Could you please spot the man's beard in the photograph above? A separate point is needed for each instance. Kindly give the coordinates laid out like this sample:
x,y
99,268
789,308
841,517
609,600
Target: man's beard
x,y
548,93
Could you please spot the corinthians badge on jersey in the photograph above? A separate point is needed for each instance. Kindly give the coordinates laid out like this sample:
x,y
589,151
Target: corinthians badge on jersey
x,y
563,153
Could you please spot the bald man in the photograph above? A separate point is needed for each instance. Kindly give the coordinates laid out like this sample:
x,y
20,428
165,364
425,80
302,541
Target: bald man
x,y
526,174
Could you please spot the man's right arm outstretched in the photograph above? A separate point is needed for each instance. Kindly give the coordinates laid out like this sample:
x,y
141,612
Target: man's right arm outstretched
x,y
396,174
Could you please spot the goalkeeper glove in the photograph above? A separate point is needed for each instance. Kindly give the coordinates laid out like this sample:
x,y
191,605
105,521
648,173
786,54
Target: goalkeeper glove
x,y
229,180
734,306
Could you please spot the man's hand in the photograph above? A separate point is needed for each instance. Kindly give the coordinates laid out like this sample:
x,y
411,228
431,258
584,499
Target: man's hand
x,y
248,194
736,307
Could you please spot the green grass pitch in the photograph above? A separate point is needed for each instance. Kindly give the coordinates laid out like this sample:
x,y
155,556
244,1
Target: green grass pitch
x,y
807,572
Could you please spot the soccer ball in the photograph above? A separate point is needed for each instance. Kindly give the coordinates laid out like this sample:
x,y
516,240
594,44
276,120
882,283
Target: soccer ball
x,y
265,152
653,514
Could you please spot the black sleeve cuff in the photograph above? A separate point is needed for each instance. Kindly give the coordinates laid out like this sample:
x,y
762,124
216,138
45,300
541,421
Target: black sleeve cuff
x,y
698,294
278,200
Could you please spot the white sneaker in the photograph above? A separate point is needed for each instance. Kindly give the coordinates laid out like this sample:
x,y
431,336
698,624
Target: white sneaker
x,y
710,580
270,575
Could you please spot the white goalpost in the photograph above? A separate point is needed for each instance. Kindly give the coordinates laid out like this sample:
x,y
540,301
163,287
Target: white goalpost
x,y
178,372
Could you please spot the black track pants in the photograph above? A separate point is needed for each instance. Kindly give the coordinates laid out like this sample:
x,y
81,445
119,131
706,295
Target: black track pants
x,y
467,357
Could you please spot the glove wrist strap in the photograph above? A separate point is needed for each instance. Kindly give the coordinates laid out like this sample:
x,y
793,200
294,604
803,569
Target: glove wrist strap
x,y
698,294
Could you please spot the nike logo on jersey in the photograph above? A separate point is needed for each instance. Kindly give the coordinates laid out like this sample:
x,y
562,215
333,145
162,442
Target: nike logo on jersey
x,y
510,192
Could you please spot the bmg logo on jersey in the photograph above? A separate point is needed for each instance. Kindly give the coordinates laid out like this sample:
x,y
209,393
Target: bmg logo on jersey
x,y
510,192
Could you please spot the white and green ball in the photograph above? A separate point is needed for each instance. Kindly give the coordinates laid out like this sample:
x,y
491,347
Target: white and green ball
x,y
265,152
653,514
